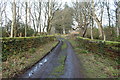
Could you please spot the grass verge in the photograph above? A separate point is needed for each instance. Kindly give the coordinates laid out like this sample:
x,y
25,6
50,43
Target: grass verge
x,y
18,63
59,70
64,45
96,66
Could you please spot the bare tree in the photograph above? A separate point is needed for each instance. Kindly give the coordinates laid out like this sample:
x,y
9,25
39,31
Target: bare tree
x,y
45,14
53,6
26,12
39,18
100,27
33,17
108,11
117,10
29,14
82,15
2,10
13,25
92,23
39,15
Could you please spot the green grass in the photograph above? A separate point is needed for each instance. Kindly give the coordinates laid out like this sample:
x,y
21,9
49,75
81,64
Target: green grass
x,y
96,66
62,59
16,64
84,51
59,70
32,50
64,45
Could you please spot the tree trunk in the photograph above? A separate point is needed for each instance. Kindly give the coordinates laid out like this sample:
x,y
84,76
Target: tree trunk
x,y
0,24
108,12
49,15
13,19
26,19
48,26
100,28
84,32
104,36
44,25
92,29
85,29
0,18
117,26
29,14
40,16
99,25
64,30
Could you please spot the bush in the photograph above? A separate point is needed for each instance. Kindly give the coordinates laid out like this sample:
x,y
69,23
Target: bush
x,y
12,46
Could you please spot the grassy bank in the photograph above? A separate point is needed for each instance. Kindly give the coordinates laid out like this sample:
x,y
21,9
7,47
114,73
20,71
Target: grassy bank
x,y
12,46
19,63
95,66
109,48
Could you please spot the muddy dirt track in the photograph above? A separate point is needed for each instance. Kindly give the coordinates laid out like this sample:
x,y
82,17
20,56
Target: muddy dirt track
x,y
45,67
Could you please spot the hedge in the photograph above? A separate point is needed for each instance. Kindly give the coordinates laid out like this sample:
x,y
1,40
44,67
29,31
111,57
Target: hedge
x,y
16,45
110,48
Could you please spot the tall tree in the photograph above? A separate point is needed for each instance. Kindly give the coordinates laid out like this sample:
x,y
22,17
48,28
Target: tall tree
x,y
92,23
53,6
13,25
100,27
26,12
108,11
39,16
63,20
82,15
117,10
2,10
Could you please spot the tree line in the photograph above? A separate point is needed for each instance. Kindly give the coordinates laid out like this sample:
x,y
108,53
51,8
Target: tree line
x,y
87,14
35,18
29,16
